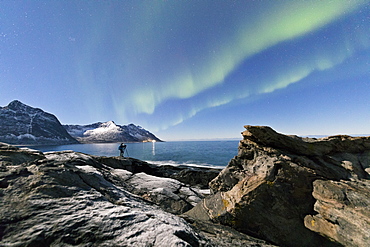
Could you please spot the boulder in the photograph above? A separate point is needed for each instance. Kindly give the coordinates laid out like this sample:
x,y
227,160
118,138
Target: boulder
x,y
268,189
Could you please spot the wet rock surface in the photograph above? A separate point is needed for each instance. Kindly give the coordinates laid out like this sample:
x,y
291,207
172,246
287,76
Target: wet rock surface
x,y
294,191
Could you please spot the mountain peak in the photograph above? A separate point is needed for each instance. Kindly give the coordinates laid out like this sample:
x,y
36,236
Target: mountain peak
x,y
109,132
16,105
108,124
23,124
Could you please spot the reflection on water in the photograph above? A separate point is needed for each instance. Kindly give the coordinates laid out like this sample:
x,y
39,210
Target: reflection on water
x,y
153,147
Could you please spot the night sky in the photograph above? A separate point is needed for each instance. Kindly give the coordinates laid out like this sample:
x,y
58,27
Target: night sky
x,y
191,69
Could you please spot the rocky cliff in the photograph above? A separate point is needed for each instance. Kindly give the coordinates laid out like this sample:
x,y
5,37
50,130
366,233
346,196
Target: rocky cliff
x,y
73,199
294,191
22,124
109,132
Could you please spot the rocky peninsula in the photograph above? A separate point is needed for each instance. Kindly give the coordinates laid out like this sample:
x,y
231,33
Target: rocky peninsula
x,y
279,190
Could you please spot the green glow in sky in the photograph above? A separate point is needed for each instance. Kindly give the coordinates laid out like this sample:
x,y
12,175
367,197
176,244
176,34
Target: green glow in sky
x,y
253,33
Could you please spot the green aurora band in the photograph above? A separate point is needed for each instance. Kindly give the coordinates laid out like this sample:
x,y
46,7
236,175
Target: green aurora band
x,y
162,73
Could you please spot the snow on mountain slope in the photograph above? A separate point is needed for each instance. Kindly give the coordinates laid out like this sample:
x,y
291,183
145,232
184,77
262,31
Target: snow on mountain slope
x,y
23,124
109,132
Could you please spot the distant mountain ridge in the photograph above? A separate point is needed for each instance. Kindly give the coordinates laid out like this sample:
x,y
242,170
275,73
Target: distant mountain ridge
x,y
109,132
23,124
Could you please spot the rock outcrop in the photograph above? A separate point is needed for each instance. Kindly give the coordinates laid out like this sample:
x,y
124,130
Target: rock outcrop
x,y
69,199
22,124
294,191
198,177
343,211
74,199
110,132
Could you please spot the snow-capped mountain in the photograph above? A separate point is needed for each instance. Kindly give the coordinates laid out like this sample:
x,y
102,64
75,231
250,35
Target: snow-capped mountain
x,y
23,124
109,132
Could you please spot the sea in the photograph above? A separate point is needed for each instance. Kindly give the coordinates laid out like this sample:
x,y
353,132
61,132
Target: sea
x,y
191,153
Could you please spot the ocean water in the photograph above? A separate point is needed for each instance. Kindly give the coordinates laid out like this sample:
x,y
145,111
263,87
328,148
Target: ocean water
x,y
197,153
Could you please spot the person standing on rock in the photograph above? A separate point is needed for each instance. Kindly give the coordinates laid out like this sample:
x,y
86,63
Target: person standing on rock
x,y
122,149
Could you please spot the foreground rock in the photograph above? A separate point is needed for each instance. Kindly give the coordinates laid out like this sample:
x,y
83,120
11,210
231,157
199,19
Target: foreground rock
x,y
73,199
293,191
221,235
70,202
199,177
343,211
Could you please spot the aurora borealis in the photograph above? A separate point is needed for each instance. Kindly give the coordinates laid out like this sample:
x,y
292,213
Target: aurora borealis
x,y
191,69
